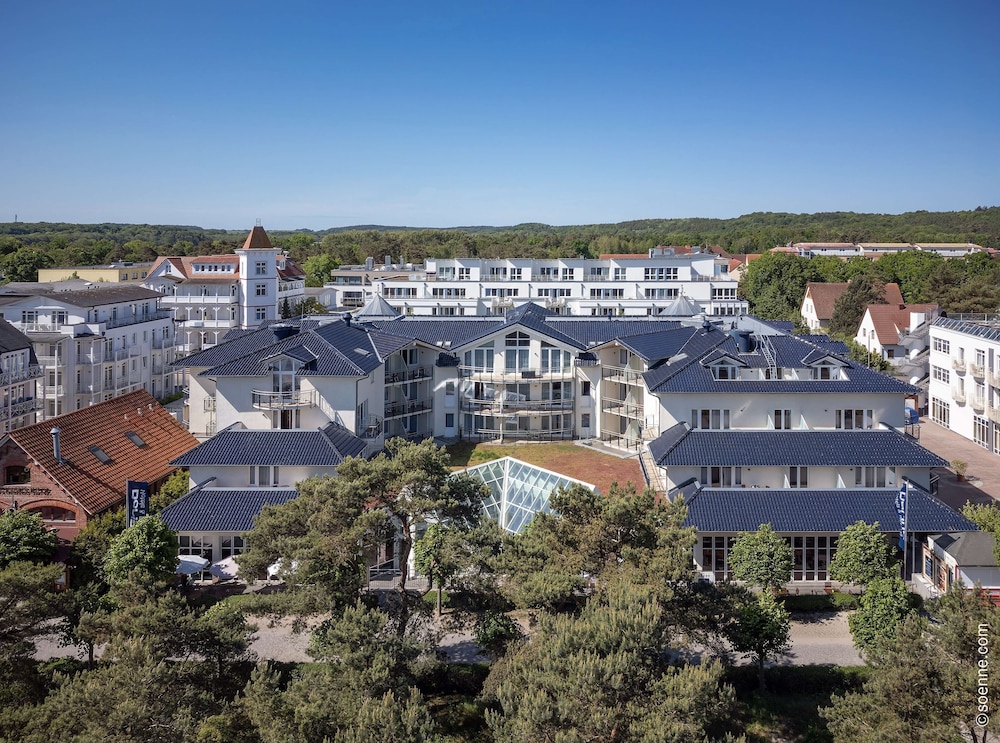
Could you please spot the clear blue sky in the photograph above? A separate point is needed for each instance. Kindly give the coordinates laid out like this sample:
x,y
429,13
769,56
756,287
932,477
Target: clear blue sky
x,y
324,114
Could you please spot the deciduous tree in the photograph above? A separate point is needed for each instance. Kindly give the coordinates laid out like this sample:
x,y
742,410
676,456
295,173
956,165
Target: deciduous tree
x,y
862,555
24,538
762,629
148,547
761,558
883,606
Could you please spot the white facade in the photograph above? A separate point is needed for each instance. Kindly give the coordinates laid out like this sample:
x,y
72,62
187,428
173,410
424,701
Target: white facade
x,y
18,371
964,391
94,344
632,285
213,294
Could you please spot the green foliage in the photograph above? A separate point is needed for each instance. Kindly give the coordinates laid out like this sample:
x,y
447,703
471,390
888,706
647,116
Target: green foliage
x,y
309,306
390,720
28,602
883,606
862,355
172,488
775,283
148,547
902,698
761,558
318,268
90,546
495,631
849,309
762,629
24,538
863,555
23,264
835,601
605,676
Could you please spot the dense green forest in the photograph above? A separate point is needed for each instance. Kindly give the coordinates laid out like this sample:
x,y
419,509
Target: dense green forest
x,y
56,244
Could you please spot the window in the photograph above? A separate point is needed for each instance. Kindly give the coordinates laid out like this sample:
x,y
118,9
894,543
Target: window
x,y
464,274
548,272
869,477
607,293
481,358
260,268
585,388
515,274
619,274
940,374
232,546
555,359
260,290
782,419
449,388
725,371
60,317
714,556
498,272
264,476
585,420
706,419
661,293
598,273
851,419
449,420
567,274
810,556
798,477
721,477
660,274
17,475
981,431
980,357
29,316
260,313
517,352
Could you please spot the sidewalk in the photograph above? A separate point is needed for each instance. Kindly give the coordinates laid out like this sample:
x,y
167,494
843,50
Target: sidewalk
x,y
982,480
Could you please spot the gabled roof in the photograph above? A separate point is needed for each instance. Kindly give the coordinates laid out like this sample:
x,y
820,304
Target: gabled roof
x,y
12,339
236,344
339,349
969,548
652,347
839,448
889,320
825,294
323,447
95,296
95,484
791,510
230,510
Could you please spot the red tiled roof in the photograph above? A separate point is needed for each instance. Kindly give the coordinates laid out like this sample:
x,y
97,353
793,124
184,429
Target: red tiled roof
x,y
825,294
889,320
258,240
96,485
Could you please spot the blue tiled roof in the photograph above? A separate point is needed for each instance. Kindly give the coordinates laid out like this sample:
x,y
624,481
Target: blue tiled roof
x,y
451,332
855,448
652,347
662,444
235,345
723,510
593,331
326,447
222,509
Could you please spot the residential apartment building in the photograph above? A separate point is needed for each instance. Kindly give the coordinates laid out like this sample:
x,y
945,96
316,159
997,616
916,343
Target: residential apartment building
x,y
874,251
743,415
122,272
213,294
820,297
93,344
18,371
613,285
964,392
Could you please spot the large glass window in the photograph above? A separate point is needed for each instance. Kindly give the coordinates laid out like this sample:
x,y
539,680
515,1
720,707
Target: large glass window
x,y
869,477
555,359
481,358
940,412
710,419
517,353
850,419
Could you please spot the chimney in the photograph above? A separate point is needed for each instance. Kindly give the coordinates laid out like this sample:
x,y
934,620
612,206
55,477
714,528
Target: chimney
x,y
347,318
56,449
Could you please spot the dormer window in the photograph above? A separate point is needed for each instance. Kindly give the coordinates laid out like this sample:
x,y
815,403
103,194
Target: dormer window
x,y
725,371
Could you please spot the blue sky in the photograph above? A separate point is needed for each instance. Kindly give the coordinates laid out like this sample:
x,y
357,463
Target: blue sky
x,y
438,114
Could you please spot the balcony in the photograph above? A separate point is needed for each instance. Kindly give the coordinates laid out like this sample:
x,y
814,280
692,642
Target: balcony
x,y
977,401
993,413
130,319
621,374
624,408
500,374
370,427
196,299
209,404
266,400
958,395
406,375
993,378
24,407
958,365
977,370
87,389
515,407
32,372
408,407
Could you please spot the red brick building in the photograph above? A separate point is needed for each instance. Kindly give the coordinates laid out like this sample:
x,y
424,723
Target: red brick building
x,y
131,437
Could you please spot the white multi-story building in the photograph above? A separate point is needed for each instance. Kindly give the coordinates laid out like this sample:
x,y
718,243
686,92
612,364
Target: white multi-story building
x,y
18,371
613,285
874,251
213,294
93,344
964,393
747,422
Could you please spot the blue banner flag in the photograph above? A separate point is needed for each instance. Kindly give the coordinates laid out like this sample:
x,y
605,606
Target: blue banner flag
x,y
901,498
136,501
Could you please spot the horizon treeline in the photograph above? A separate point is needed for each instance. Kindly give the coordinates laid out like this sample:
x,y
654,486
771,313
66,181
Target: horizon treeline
x,y
65,244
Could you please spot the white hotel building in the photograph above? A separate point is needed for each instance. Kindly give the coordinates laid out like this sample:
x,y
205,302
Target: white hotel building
x,y
613,285
964,392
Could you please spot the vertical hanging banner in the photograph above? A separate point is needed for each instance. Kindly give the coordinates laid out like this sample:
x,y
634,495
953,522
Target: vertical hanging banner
x,y
901,498
136,501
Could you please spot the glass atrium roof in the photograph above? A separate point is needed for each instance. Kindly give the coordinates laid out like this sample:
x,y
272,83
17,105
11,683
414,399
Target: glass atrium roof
x,y
518,490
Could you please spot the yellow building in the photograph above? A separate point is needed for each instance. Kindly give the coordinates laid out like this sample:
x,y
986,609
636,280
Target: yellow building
x,y
113,273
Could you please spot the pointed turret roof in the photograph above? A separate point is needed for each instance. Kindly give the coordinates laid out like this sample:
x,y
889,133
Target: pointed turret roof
x,y
258,240
377,308
681,306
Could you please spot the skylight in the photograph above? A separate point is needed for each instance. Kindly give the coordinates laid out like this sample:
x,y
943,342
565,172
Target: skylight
x,y
135,439
100,454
